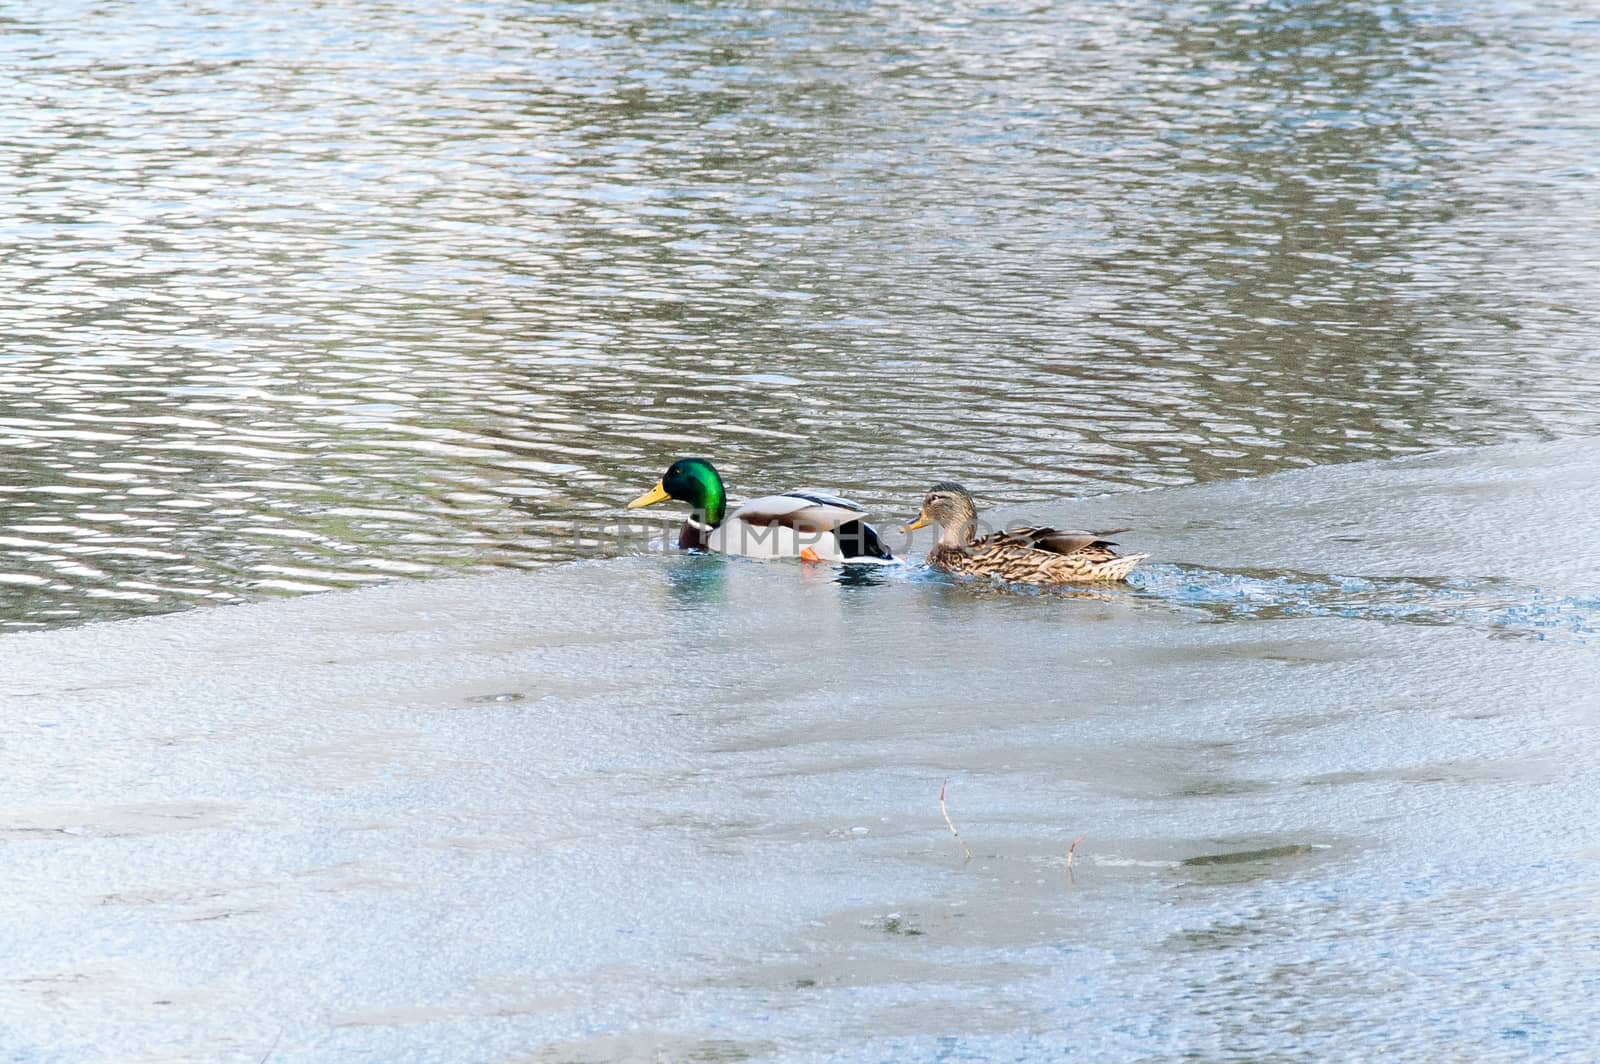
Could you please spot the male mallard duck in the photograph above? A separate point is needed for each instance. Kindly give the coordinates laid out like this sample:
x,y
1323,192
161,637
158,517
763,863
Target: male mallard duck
x,y
1017,555
796,524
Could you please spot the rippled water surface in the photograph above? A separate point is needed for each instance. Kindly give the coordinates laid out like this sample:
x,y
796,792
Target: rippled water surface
x,y
312,294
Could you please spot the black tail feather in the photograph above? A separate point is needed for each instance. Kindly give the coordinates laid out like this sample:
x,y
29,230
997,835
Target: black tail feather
x,y
857,539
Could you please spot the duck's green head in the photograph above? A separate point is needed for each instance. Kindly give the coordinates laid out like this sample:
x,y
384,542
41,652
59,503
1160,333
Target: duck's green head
x,y
690,480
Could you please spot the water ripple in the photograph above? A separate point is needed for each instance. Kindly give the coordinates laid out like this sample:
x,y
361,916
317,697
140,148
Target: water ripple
x,y
1493,605
347,289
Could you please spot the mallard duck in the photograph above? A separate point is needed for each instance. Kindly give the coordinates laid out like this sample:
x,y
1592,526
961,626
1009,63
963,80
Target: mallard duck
x,y
797,524
1017,555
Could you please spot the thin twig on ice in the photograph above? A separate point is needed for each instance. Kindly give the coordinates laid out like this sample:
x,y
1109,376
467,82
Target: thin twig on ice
x,y
964,848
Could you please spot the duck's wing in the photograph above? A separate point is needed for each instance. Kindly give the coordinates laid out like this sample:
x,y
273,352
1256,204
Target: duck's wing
x,y
799,524
810,511
1054,540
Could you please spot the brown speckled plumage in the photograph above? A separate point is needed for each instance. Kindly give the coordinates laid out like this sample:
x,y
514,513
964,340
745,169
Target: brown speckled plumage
x,y
1017,555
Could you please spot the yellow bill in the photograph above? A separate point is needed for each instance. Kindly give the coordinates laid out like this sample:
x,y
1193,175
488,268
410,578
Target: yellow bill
x,y
651,497
921,520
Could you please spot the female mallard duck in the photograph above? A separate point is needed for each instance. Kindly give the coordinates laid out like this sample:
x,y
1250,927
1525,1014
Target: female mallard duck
x,y
1017,555
796,524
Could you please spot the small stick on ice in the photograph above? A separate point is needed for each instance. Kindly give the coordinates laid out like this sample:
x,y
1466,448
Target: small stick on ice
x,y
947,820
1070,851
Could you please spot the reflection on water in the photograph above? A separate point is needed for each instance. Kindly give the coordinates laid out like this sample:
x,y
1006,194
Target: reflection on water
x,y
349,291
